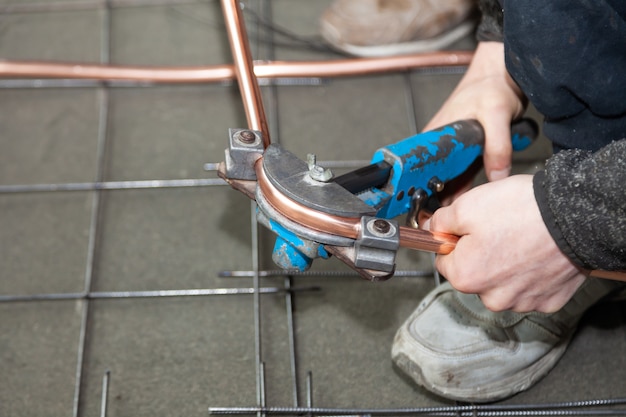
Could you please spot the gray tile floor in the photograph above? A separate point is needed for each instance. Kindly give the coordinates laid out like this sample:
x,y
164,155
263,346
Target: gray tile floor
x,y
181,355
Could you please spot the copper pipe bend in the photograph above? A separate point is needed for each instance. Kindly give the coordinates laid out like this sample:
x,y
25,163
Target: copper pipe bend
x,y
345,226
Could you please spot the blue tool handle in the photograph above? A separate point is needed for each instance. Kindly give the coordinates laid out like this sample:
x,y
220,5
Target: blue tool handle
x,y
470,132
441,154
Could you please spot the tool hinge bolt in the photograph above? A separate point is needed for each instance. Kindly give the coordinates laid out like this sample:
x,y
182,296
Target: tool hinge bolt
x,y
436,185
246,137
381,226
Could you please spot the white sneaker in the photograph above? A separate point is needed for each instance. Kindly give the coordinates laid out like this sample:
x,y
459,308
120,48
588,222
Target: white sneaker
x,y
455,347
374,28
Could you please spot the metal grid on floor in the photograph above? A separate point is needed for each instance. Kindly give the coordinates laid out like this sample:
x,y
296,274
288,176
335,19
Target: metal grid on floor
x,y
263,281
95,190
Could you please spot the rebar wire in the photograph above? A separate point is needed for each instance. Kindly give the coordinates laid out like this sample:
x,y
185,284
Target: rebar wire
x,y
104,104
111,185
291,339
258,351
309,390
261,16
200,292
568,408
104,399
330,412
87,5
322,273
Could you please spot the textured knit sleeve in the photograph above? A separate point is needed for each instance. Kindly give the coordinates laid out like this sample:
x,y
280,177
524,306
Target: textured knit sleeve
x,y
490,27
582,198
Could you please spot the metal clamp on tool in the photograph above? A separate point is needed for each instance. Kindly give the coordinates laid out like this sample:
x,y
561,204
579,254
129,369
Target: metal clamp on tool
x,y
245,146
377,244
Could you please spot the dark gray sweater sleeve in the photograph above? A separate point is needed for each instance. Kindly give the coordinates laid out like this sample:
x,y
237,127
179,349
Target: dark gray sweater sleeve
x,y
490,26
582,199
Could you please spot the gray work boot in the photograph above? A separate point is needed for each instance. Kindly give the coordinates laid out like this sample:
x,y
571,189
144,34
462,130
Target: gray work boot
x,y
375,28
455,347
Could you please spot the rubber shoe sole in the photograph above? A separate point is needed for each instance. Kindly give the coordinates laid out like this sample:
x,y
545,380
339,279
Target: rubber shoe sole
x,y
405,48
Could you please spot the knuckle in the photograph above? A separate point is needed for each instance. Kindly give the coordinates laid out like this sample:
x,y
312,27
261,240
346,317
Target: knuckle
x,y
463,283
499,149
495,304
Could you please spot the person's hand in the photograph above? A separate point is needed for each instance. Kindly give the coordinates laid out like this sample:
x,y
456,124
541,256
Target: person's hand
x,y
488,94
505,254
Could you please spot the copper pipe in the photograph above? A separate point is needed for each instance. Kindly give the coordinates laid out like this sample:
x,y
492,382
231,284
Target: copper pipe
x,y
226,72
345,226
363,66
418,239
244,68
118,73
614,275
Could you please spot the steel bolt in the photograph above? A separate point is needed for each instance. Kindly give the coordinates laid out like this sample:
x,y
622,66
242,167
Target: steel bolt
x,y
247,136
381,226
436,184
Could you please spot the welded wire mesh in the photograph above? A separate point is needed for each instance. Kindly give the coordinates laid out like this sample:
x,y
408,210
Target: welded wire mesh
x,y
94,304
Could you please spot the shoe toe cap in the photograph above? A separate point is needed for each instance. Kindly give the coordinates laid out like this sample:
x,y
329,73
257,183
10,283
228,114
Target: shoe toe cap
x,y
455,354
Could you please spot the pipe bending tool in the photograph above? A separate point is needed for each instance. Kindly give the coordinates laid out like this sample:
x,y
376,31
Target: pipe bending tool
x,y
352,217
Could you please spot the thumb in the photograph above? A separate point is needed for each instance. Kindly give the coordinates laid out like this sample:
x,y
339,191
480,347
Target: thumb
x,y
498,149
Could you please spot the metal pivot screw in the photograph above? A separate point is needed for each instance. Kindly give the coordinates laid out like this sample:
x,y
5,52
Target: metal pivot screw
x,y
317,172
246,137
436,184
381,226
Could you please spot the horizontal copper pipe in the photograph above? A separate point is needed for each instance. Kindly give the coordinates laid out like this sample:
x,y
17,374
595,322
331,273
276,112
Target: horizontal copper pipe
x,y
614,275
345,226
226,72
418,239
26,69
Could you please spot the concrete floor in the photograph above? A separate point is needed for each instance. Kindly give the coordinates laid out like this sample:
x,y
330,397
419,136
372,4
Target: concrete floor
x,y
182,355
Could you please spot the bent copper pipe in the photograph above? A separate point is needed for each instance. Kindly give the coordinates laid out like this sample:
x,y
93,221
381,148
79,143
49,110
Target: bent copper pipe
x,y
440,243
349,227
226,72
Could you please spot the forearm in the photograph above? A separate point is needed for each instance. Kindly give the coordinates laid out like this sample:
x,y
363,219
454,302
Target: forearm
x,y
582,199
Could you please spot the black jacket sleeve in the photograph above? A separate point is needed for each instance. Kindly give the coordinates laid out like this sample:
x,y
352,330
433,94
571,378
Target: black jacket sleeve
x,y
582,199
490,27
